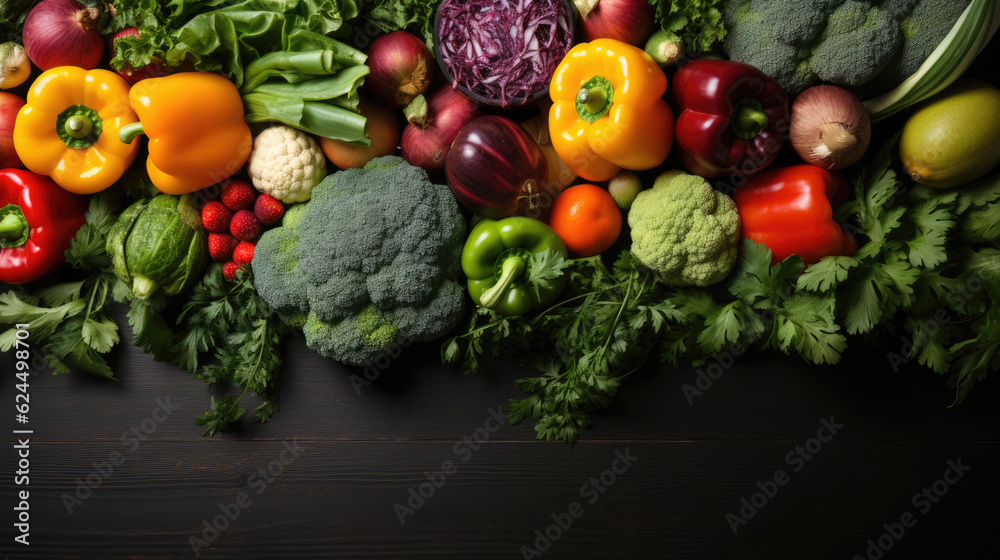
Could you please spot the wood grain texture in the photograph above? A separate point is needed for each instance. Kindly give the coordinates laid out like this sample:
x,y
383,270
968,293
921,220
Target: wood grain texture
x,y
360,454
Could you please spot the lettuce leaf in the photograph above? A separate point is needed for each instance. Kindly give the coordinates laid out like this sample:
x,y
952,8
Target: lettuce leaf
x,y
697,22
221,35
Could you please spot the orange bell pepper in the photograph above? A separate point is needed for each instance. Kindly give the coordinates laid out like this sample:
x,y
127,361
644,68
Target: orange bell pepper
x,y
197,135
607,110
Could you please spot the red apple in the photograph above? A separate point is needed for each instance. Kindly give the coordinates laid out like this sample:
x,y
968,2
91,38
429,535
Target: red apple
x,y
10,105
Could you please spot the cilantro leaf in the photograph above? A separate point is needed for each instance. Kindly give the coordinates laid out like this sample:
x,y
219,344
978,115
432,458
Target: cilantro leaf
x,y
827,274
67,349
721,328
932,219
806,323
100,332
759,284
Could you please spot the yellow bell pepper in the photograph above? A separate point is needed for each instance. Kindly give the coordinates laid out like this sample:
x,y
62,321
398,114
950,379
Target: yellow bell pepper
x,y
197,135
68,129
607,110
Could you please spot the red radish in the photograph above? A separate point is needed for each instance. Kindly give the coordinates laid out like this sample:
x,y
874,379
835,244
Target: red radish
x,y
229,271
221,246
238,195
268,209
401,67
428,137
630,21
244,226
243,253
64,33
215,217
10,105
383,131
132,75
495,168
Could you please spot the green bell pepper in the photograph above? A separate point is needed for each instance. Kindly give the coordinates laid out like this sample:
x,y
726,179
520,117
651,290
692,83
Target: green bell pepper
x,y
496,260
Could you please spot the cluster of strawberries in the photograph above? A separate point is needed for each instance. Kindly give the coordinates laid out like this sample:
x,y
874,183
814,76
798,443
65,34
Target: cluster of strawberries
x,y
235,222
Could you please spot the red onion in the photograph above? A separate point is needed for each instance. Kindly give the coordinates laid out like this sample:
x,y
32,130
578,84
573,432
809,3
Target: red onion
x,y
426,140
630,21
401,67
64,33
495,168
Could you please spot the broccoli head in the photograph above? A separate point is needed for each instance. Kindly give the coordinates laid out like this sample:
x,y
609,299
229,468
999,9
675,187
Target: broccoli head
x,y
684,230
853,43
369,262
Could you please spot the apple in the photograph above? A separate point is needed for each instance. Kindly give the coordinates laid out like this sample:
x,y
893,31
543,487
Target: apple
x,y
10,105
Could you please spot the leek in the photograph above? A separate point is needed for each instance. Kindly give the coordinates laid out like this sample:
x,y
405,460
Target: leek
x,y
967,38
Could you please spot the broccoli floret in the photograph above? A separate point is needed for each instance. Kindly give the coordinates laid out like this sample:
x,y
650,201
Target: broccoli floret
x,y
847,42
684,230
276,273
369,262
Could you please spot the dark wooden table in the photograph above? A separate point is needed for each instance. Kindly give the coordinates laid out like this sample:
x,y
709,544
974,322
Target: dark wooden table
x,y
120,470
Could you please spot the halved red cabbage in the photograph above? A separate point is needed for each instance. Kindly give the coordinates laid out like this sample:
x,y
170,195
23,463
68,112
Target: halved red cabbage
x,y
504,50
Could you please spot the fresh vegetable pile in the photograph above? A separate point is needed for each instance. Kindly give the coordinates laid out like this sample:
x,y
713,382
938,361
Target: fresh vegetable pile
x,y
704,177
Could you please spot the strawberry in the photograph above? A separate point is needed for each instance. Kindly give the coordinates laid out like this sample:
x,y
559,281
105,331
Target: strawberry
x,y
244,226
229,271
268,209
215,217
221,245
238,195
243,253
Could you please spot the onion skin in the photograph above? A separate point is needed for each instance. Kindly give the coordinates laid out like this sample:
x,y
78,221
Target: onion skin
x,y
426,145
495,168
829,127
383,130
401,68
63,33
10,106
629,21
560,175
14,65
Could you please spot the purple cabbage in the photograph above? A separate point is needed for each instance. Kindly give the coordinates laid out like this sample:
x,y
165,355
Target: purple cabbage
x,y
504,50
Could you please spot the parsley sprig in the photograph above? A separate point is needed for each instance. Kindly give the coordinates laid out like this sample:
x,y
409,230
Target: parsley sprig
x,y
230,335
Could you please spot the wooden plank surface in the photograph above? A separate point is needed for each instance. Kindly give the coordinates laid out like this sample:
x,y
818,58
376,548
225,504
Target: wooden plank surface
x,y
360,454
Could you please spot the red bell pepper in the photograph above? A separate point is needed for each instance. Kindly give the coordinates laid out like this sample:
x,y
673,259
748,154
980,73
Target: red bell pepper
x,y
789,209
733,119
38,219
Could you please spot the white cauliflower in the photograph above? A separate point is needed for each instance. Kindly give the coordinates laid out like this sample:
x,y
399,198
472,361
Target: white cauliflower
x,y
286,163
